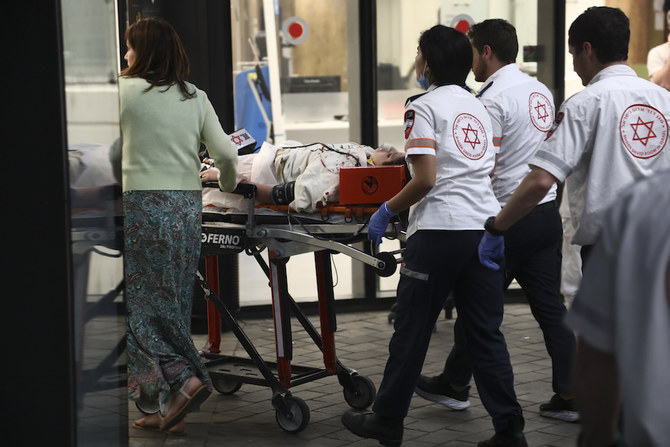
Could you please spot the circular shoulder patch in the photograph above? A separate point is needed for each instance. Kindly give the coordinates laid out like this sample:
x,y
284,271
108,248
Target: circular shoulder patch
x,y
541,111
643,130
470,136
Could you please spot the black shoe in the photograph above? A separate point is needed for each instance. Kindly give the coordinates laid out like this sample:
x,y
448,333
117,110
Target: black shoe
x,y
512,436
432,388
387,431
559,408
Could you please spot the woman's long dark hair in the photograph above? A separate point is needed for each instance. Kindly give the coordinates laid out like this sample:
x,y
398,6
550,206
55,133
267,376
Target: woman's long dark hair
x,y
160,57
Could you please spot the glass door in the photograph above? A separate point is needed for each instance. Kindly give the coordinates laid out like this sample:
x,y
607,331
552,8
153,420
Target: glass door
x,y
291,63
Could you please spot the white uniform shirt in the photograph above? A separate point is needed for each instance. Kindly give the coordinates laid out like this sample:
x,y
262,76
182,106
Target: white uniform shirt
x,y
450,124
623,306
522,111
658,57
605,137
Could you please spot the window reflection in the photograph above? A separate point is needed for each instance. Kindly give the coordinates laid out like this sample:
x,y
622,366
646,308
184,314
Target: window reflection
x,y
89,41
312,50
90,65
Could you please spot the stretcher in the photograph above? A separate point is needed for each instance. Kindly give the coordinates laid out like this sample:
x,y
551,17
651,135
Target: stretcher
x,y
91,229
283,235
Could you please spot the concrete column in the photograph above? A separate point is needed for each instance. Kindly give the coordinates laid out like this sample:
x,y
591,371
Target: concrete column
x,y
639,12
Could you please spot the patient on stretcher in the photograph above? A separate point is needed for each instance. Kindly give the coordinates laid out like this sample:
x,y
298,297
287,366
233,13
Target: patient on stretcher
x,y
305,177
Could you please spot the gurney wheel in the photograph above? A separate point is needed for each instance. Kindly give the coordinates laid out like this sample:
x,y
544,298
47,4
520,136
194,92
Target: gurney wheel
x,y
296,417
389,264
363,393
144,411
226,387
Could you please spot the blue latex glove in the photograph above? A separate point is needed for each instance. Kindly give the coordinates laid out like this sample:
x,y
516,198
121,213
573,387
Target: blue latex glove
x,y
378,223
490,249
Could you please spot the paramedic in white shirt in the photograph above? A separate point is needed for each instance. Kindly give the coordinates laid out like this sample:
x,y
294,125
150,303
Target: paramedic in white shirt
x,y
622,316
450,155
522,111
606,137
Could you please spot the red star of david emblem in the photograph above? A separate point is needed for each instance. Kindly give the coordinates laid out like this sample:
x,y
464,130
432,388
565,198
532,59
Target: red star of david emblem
x,y
237,140
541,110
468,131
650,132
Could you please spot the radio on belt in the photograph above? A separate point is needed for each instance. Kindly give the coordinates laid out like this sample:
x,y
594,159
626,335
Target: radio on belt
x,y
370,184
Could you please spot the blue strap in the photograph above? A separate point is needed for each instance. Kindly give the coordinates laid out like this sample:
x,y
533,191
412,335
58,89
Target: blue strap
x,y
481,92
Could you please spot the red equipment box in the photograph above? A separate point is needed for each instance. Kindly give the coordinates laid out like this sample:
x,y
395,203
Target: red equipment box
x,y
370,184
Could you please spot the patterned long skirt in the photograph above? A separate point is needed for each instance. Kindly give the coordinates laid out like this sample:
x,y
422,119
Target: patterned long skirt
x,y
162,231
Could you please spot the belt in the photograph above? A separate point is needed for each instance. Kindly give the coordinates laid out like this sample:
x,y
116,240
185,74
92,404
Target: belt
x,y
551,204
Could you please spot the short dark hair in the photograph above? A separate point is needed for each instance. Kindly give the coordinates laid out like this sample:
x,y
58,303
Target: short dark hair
x,y
606,29
499,34
448,53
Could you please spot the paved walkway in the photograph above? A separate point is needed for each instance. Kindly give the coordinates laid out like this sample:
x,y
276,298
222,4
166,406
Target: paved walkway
x,y
247,418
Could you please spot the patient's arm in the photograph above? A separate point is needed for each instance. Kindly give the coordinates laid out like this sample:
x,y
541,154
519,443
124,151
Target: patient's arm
x,y
209,175
263,192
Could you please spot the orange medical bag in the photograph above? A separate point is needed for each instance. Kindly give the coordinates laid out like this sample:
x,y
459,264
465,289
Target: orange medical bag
x,y
370,184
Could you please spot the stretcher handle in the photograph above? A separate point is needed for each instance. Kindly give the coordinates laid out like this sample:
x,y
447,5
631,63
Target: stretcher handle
x,y
247,190
111,192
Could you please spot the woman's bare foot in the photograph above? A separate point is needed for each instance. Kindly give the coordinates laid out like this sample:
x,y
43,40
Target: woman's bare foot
x,y
154,422
151,422
190,394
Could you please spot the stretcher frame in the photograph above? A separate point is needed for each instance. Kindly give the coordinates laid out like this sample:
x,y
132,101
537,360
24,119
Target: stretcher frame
x,y
228,373
87,230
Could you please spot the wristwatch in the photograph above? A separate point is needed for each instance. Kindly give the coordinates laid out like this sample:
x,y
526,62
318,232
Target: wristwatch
x,y
489,226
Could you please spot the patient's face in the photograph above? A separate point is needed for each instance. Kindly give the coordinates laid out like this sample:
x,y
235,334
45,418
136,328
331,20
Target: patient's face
x,y
387,156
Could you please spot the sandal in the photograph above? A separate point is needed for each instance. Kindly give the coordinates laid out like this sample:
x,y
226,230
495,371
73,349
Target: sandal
x,y
199,396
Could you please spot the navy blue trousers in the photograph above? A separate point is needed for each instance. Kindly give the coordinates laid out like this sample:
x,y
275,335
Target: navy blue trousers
x,y
437,262
533,258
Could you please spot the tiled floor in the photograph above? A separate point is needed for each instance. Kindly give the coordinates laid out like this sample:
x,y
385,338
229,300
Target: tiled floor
x,y
247,418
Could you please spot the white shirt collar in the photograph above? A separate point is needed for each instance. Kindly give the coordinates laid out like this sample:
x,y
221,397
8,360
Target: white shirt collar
x,y
501,72
613,70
